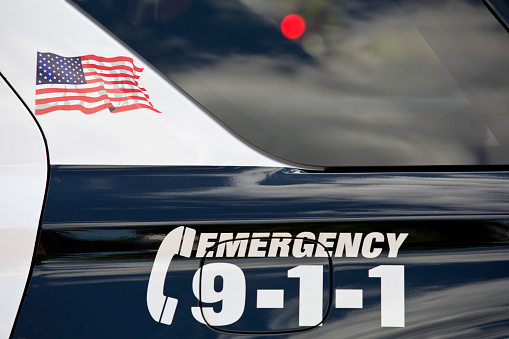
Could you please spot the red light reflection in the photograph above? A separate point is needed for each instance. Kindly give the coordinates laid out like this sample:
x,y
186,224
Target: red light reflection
x,y
293,26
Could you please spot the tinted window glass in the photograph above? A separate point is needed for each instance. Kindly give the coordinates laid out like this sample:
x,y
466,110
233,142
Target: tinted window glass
x,y
501,8
368,83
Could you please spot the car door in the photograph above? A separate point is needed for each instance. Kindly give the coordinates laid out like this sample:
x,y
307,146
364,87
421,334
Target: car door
x,y
23,177
350,181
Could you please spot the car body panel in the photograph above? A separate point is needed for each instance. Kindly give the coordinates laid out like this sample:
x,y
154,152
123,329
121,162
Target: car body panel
x,y
139,204
97,249
181,135
23,173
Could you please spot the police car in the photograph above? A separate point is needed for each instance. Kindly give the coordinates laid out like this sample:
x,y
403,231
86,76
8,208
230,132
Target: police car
x,y
270,168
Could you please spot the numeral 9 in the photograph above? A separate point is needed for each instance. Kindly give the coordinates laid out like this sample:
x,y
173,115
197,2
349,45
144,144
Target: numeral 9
x,y
232,295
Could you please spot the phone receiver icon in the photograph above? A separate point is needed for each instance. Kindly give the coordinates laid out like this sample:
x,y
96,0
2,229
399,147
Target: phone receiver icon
x,y
178,241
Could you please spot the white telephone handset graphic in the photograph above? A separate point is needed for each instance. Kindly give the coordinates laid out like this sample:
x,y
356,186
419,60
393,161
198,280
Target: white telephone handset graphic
x,y
162,308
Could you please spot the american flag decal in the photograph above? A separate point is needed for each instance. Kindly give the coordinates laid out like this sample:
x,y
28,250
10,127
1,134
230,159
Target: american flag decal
x,y
88,84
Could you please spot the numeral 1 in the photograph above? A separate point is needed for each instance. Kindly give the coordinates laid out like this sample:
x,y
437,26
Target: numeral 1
x,y
392,281
310,293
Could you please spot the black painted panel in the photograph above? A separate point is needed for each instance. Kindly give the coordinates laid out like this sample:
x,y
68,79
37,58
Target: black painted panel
x,y
97,195
103,226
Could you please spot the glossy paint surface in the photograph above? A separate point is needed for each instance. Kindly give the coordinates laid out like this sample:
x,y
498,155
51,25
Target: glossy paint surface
x,y
370,83
211,194
23,171
181,135
103,226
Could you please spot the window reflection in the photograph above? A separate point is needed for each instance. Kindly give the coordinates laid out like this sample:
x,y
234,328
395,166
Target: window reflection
x,y
369,83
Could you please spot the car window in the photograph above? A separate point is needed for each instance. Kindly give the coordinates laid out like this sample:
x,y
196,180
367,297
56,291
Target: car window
x,y
501,9
334,83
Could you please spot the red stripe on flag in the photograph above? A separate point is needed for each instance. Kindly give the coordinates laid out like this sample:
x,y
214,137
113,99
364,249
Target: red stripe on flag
x,y
68,90
112,75
88,99
81,108
107,68
133,106
124,89
114,59
115,82
87,90
70,97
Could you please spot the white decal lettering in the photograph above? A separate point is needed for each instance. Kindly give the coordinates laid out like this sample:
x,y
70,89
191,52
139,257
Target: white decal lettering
x,y
348,298
161,307
392,294
256,244
270,298
239,245
395,243
323,238
367,246
232,296
207,240
300,249
310,293
280,241
221,247
345,244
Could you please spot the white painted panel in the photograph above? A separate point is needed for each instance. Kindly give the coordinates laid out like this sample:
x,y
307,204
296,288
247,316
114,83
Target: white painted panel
x,y
183,134
22,184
